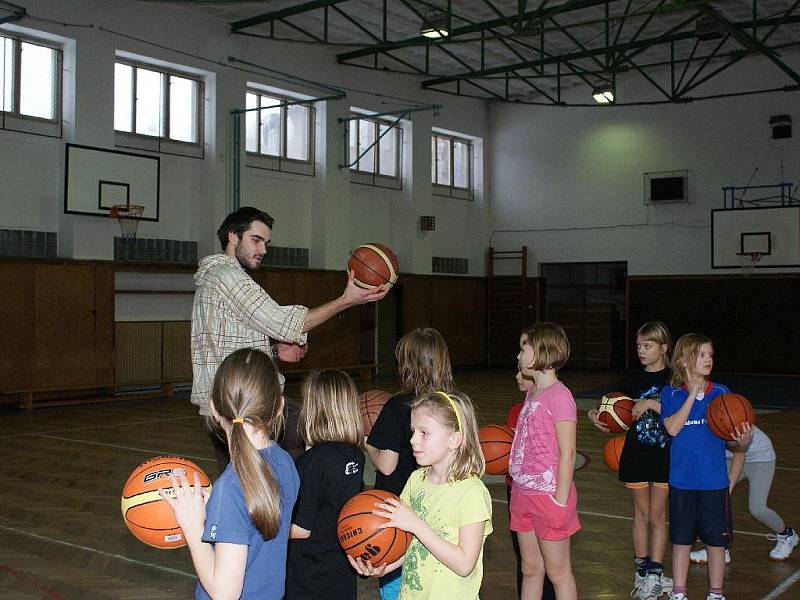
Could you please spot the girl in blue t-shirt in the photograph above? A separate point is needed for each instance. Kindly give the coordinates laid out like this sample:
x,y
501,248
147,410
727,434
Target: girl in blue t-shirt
x,y
699,496
238,539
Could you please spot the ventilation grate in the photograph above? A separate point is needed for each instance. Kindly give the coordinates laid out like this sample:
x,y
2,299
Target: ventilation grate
x,y
156,251
28,244
453,266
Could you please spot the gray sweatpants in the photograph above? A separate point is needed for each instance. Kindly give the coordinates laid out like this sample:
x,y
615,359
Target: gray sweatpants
x,y
759,477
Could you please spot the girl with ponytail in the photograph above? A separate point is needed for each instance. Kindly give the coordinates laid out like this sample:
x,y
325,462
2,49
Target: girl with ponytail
x,y
238,535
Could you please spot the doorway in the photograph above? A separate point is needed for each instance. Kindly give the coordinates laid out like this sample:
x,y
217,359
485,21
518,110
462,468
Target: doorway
x,y
588,300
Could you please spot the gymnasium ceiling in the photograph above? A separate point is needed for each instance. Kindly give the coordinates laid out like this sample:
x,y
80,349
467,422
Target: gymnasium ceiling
x,y
542,51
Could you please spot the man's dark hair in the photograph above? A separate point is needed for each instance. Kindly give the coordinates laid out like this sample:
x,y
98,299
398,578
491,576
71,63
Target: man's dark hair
x,y
239,221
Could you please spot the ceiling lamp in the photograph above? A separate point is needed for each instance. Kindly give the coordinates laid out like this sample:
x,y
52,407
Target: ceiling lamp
x,y
603,94
434,25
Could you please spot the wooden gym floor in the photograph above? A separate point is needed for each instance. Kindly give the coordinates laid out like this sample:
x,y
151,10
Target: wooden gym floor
x,y
63,536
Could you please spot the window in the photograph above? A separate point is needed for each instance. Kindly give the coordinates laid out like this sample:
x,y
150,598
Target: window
x,y
374,152
279,133
30,98
157,109
451,162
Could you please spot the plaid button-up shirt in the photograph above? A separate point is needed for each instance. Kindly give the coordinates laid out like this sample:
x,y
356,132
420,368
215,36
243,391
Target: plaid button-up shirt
x,y
231,311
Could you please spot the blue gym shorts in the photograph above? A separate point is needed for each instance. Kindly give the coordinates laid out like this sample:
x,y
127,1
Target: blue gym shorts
x,y
704,513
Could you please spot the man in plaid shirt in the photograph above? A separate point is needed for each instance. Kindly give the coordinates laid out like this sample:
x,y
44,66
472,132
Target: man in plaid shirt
x,y
232,311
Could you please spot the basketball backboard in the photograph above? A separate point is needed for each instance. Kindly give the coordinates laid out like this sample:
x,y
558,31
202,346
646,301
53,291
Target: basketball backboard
x,y
772,232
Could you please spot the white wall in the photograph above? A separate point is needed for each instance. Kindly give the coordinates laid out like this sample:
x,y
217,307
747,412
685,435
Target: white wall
x,y
325,213
569,181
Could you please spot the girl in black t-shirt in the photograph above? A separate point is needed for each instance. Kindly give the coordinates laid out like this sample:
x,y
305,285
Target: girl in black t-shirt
x,y
423,364
644,463
331,472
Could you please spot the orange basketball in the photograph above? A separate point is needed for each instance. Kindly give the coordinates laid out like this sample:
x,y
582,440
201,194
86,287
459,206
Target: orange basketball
x,y
729,411
146,514
360,535
613,451
374,265
371,403
496,446
615,410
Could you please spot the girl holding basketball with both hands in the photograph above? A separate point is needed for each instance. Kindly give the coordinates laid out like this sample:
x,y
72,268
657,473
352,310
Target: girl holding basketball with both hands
x,y
644,463
238,539
699,486
331,472
445,505
423,364
544,500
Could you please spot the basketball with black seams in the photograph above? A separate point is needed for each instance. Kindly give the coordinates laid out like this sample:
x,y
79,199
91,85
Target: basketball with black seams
x,y
370,404
496,443
361,535
727,412
613,451
146,513
615,411
374,266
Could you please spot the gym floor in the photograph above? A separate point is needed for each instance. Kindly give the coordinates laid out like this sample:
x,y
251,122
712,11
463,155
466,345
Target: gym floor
x,y
63,470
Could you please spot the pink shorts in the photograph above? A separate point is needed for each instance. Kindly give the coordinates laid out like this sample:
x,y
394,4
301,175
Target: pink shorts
x,y
541,514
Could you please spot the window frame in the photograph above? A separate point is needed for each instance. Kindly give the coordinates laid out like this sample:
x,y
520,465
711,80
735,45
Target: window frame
x,y
374,177
162,143
451,190
14,120
282,163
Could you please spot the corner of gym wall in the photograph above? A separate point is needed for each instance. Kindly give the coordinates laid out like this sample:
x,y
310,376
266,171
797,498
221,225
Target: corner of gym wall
x,y
568,182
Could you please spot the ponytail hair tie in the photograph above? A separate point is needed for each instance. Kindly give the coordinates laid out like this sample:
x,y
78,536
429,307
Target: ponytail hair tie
x,y
455,409
238,420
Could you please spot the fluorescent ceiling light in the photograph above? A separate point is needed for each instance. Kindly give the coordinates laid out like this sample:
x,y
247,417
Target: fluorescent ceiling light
x,y
434,25
603,94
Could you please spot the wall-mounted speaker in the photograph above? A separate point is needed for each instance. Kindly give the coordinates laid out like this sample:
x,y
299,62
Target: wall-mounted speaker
x,y
781,126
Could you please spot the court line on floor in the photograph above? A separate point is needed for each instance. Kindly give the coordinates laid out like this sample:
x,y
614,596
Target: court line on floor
x,y
99,552
624,518
785,585
85,427
121,447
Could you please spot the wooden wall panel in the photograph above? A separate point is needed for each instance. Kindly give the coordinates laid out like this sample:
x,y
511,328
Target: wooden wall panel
x,y
456,306
17,326
753,321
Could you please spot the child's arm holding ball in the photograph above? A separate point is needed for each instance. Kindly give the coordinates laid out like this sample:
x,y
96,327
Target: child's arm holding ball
x,y
459,558
220,567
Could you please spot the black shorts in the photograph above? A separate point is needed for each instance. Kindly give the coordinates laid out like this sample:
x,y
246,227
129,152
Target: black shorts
x,y
643,463
704,513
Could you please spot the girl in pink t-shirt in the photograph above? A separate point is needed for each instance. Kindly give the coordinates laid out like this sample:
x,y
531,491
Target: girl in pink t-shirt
x,y
543,497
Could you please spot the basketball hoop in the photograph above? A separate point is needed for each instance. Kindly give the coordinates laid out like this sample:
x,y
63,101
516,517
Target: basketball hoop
x,y
128,216
749,260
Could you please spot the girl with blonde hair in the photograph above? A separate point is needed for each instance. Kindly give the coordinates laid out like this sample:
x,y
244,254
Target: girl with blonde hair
x,y
444,504
331,472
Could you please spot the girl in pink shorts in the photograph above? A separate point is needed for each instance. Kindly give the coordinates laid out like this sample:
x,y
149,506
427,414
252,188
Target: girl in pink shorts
x,y
543,497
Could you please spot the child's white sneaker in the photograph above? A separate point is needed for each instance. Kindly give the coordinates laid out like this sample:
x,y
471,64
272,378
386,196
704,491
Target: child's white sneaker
x,y
648,587
715,597
700,557
678,596
784,546
666,584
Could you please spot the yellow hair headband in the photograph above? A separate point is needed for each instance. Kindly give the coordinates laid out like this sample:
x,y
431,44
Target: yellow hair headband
x,y
238,420
455,409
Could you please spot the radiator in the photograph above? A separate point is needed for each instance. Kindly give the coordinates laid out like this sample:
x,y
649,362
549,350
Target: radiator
x,y
152,352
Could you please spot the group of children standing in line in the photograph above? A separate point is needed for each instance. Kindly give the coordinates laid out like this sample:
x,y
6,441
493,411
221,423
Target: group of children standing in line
x,y
671,456
267,532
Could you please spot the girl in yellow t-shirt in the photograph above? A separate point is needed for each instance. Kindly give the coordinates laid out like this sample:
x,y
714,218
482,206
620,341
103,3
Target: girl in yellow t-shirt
x,y
444,504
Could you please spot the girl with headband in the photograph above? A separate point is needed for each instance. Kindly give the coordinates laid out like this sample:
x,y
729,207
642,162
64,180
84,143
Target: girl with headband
x,y
238,540
444,504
